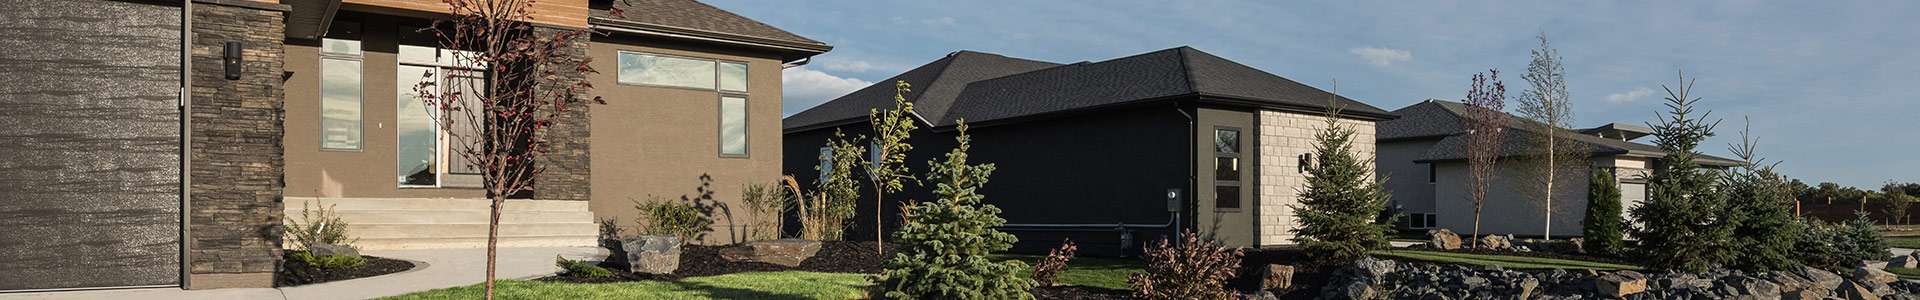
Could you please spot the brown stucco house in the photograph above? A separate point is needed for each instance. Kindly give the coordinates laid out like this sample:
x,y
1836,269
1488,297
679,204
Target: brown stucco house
x,y
143,159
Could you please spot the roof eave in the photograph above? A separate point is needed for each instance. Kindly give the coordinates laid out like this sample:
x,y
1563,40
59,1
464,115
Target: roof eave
x,y
1287,107
802,50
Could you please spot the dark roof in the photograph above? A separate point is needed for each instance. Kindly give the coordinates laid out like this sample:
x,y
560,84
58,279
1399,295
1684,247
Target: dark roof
x,y
1441,119
935,86
1176,73
695,17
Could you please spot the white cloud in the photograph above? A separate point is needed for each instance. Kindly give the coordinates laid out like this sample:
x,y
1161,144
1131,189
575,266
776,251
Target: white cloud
x,y
1381,56
938,21
1630,96
859,66
805,88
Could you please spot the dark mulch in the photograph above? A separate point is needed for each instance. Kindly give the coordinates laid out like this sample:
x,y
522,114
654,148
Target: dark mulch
x,y
700,261
1535,254
1075,292
295,272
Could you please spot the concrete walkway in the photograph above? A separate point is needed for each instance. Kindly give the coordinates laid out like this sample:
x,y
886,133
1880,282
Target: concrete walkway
x,y
435,269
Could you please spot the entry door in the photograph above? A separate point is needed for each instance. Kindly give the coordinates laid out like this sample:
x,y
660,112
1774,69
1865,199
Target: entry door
x,y
90,131
1226,206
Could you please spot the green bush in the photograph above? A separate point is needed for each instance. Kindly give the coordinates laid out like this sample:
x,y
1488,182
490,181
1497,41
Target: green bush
x,y
1838,246
943,244
668,217
577,269
1192,270
1603,225
1340,205
329,262
320,226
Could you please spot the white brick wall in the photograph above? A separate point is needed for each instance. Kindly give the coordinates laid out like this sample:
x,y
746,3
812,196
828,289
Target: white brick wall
x,y
1284,136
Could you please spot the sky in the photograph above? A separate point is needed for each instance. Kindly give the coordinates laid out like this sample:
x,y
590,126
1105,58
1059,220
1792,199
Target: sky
x,y
1831,88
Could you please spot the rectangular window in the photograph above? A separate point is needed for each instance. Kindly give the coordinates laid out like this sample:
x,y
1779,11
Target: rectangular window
x,y
649,69
340,87
1226,197
733,126
733,77
430,133
1226,169
1420,221
419,139
1433,173
1433,220
826,162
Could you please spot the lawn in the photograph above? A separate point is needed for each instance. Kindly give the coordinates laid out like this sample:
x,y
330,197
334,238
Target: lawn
x,y
1904,242
1905,273
1510,262
1097,272
752,285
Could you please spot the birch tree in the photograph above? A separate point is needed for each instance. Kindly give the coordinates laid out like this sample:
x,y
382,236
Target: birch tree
x,y
1553,163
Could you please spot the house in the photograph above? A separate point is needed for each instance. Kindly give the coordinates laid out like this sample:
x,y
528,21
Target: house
x,y
1111,154
1421,154
172,153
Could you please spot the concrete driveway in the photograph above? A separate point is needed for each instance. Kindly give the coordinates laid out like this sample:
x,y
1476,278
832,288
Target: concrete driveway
x,y
436,269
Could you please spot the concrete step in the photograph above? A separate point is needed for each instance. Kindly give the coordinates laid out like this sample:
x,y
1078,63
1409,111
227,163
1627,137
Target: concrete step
x,y
476,242
295,204
381,231
357,217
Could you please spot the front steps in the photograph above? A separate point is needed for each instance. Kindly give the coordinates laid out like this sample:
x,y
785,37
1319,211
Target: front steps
x,y
441,223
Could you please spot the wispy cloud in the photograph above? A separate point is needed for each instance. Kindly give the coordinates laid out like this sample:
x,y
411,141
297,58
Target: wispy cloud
x,y
858,66
1630,96
938,21
1381,56
805,88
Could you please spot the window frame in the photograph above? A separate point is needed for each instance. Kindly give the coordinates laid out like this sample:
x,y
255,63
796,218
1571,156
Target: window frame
x,y
747,82
361,120
746,124
1239,149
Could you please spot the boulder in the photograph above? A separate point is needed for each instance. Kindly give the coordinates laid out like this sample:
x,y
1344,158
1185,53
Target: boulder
x,y
1802,295
1758,288
1443,239
324,250
1620,284
1359,291
1854,291
1820,278
1866,273
1527,288
1277,277
1575,245
785,252
653,254
1875,264
1495,242
1905,261
1259,295
1373,268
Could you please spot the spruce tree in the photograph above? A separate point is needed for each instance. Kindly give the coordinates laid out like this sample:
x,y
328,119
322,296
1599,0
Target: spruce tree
x,y
1604,223
1763,227
1683,228
1338,207
944,243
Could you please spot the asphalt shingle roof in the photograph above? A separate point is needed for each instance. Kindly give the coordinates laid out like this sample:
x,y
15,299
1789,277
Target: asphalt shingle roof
x,y
690,14
1441,119
935,86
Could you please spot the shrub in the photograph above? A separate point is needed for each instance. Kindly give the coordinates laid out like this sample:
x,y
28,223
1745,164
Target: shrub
x,y
943,244
1047,271
610,232
581,270
1838,246
765,202
1686,225
1603,224
1192,270
320,226
668,217
1339,207
1758,201
330,261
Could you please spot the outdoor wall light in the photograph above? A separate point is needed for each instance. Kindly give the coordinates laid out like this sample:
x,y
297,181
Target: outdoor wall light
x,y
1306,162
231,58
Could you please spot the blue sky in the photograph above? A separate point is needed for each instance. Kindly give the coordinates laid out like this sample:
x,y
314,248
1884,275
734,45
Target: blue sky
x,y
1831,87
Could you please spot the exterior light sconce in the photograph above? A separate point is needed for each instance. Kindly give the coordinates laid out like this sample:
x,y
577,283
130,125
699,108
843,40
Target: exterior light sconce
x,y
231,60
1306,162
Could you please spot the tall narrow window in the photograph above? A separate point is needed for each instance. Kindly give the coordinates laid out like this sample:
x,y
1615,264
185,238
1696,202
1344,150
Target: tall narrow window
x,y
428,146
1226,169
340,89
826,162
733,126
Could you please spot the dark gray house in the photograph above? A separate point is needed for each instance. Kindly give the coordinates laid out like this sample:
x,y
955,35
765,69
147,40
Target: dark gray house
x,y
1084,148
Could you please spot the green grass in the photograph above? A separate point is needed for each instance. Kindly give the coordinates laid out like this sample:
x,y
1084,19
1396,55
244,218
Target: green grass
x,y
1905,273
1511,262
1096,272
752,285
1907,242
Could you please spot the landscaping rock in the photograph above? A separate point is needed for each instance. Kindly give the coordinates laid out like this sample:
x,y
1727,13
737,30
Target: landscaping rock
x,y
1854,291
1527,287
1495,242
1620,284
1758,288
1865,273
1802,295
653,254
323,250
1260,295
1373,268
1358,291
1905,261
1277,277
1576,245
785,252
1875,264
1443,239
1820,278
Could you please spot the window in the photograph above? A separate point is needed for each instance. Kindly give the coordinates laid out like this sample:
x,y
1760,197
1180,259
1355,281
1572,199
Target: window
x,y
1421,221
340,89
1226,169
685,72
1433,173
424,147
826,163
733,77
733,126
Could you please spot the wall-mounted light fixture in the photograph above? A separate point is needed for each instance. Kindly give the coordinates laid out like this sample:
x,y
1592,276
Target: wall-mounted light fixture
x,y
1306,162
231,59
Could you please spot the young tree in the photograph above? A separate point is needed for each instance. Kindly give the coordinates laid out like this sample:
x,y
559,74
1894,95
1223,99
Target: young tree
x,y
891,128
1604,224
944,243
1897,202
823,213
1682,228
1757,209
1338,207
498,124
1485,127
1554,161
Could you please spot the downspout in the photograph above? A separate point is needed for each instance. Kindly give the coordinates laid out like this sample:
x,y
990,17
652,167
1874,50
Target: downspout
x,y
1193,177
186,143
797,63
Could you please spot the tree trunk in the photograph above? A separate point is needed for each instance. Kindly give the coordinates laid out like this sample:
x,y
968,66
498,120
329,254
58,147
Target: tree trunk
x,y
1553,157
1476,226
493,240
879,215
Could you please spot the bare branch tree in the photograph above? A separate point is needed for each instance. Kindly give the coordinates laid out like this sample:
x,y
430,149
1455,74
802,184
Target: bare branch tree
x,y
502,85
1555,163
1485,127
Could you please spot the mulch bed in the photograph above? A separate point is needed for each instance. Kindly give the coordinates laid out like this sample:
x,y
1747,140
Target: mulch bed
x,y
701,261
1075,292
1534,254
294,272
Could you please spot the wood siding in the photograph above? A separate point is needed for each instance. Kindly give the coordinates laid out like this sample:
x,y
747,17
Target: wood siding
x,y
568,13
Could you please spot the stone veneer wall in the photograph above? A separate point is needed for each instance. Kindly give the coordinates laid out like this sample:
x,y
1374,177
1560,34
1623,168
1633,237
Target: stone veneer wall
x,y
237,156
1284,136
568,166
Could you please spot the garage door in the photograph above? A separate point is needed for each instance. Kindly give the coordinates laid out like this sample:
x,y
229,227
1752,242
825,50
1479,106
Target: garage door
x,y
90,131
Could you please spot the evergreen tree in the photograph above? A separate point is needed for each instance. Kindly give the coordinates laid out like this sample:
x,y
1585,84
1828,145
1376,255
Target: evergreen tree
x,y
1604,224
1338,207
1682,226
1763,226
943,244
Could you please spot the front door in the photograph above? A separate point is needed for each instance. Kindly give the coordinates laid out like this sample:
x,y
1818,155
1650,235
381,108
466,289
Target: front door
x,y
1225,206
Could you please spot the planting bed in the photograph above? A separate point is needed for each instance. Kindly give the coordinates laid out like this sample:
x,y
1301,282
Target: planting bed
x,y
700,261
1308,275
294,272
1534,254
1075,292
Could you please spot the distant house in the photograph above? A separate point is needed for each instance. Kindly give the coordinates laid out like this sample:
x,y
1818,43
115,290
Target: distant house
x,y
1083,148
1421,154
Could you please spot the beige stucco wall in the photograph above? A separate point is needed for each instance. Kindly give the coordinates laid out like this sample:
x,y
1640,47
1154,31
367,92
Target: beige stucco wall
x,y
664,141
1284,136
1407,180
1507,211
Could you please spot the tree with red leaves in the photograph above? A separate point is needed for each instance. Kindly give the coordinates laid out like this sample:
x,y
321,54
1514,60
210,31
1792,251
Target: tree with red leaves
x,y
1485,127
